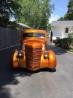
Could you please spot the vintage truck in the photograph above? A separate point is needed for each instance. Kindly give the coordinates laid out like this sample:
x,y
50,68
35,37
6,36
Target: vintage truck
x,y
32,54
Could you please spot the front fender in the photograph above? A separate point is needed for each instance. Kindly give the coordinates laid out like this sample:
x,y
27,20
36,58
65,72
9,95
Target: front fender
x,y
52,59
16,61
49,61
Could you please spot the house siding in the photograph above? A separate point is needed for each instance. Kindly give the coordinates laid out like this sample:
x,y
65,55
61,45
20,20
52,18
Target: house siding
x,y
58,28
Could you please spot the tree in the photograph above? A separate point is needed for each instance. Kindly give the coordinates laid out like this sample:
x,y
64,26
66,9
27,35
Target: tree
x,y
7,9
35,13
61,19
69,14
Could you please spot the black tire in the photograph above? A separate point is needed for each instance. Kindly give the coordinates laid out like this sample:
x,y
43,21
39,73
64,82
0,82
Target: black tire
x,y
52,69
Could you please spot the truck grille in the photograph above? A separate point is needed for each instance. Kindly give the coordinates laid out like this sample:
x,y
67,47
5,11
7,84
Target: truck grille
x,y
33,56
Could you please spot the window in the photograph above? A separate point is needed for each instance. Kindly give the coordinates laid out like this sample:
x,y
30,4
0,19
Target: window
x,y
33,35
39,35
28,35
66,30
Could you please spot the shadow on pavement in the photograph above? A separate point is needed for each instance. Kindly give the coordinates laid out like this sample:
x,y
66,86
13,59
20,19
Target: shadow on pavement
x,y
44,70
57,50
7,75
4,93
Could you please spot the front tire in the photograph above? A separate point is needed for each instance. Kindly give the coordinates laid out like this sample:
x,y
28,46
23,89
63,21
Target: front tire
x,y
52,69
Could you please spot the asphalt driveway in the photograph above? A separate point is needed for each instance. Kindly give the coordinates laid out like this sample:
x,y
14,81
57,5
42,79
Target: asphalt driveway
x,y
42,84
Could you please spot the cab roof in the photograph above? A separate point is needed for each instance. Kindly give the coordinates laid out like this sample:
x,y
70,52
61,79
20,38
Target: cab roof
x,y
35,31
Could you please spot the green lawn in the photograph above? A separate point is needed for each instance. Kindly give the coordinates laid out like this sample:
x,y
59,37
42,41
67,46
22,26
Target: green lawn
x,y
71,49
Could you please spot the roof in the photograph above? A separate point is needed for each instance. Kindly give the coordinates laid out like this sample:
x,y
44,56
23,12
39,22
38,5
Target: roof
x,y
35,31
62,23
23,25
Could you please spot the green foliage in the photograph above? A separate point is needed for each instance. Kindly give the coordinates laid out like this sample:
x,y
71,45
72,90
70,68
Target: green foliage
x,y
61,18
64,43
35,13
69,14
70,35
7,9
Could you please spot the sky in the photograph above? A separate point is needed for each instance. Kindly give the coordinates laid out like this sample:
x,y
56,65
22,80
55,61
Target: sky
x,y
60,8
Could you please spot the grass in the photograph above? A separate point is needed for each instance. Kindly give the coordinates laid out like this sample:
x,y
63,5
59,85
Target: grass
x,y
71,49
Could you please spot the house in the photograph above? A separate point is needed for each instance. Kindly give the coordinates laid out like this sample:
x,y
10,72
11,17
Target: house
x,y
61,29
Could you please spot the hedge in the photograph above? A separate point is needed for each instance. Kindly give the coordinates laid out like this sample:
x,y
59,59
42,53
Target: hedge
x,y
64,43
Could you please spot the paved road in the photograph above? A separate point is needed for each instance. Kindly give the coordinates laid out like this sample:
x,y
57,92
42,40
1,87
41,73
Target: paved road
x,y
42,84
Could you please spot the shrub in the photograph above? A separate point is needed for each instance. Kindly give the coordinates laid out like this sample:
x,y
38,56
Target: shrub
x,y
64,43
70,35
57,42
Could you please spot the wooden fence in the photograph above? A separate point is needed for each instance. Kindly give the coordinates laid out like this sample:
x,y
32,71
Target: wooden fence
x,y
9,38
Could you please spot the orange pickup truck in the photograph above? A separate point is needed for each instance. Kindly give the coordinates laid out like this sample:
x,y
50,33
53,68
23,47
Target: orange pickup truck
x,y
33,54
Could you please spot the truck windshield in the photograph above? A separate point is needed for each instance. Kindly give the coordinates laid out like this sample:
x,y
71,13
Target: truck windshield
x,y
34,35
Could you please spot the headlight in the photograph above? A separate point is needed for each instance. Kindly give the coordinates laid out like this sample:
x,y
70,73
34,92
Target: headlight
x,y
46,56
